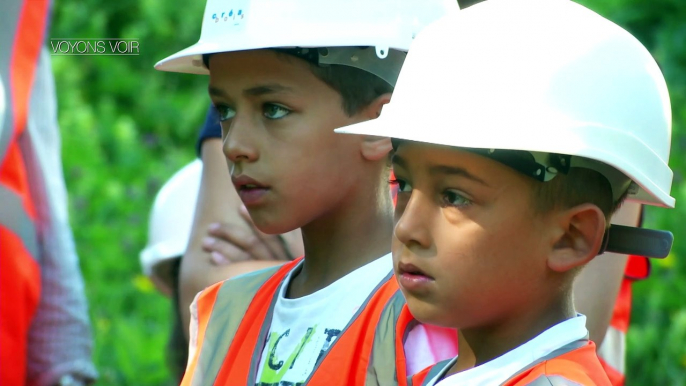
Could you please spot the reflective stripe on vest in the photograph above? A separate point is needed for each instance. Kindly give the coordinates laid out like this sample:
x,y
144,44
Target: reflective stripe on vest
x,y
612,351
234,318
423,377
16,220
553,369
612,355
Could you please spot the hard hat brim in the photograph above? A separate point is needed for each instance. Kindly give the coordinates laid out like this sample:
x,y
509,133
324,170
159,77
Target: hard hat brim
x,y
567,139
189,60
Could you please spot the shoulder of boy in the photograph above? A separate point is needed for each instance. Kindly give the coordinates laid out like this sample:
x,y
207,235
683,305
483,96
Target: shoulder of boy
x,y
237,284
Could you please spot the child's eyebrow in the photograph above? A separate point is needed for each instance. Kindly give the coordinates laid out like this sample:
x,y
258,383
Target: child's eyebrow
x,y
252,91
445,169
441,169
214,91
266,89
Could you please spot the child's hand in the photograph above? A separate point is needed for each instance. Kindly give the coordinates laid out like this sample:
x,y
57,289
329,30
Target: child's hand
x,y
229,243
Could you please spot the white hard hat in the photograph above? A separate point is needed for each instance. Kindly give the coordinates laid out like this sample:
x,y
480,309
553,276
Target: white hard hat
x,y
237,25
170,224
548,77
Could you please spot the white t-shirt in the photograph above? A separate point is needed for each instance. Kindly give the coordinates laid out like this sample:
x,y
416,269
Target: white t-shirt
x,y
303,329
504,367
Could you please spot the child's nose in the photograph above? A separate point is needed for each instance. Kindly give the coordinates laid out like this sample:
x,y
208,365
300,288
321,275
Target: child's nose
x,y
412,229
239,141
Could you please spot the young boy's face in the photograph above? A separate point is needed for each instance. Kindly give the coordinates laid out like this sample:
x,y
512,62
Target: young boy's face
x,y
468,248
278,122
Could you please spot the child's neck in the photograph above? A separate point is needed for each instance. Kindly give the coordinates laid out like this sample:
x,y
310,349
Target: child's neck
x,y
483,344
352,235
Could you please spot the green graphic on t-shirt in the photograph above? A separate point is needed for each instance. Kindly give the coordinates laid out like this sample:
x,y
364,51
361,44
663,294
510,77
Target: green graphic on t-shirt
x,y
274,369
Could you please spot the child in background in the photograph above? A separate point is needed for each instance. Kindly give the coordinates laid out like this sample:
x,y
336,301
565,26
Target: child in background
x,y
508,175
168,232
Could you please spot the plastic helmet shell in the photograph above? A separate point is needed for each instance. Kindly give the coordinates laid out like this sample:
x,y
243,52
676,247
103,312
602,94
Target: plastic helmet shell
x,y
238,25
170,223
536,75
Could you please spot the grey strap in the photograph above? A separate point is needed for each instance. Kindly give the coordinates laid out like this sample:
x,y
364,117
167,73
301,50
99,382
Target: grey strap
x,y
13,216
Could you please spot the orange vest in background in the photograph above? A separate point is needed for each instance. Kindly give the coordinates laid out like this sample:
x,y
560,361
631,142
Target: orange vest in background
x,y
19,270
612,351
233,320
580,366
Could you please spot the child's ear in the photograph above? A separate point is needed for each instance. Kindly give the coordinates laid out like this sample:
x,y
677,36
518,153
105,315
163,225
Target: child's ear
x,y
375,148
583,228
373,110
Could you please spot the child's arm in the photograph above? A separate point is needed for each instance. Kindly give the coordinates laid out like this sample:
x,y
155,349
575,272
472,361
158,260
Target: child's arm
x,y
597,287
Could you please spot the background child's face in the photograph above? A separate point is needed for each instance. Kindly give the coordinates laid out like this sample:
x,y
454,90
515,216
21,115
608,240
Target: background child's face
x,y
468,249
278,120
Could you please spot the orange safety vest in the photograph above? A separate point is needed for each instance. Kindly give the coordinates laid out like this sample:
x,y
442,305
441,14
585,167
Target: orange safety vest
x,y
573,364
612,351
233,321
19,269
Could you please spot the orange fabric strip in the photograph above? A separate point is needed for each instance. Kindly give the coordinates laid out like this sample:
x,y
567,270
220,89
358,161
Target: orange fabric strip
x,y
205,304
19,296
581,366
616,378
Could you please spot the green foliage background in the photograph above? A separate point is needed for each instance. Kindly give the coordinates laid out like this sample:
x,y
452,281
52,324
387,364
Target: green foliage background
x,y
127,128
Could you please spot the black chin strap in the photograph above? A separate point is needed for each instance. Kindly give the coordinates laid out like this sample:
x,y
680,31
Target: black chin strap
x,y
637,241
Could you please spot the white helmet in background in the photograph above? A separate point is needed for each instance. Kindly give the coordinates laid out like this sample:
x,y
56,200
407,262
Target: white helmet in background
x,y
549,77
345,27
170,224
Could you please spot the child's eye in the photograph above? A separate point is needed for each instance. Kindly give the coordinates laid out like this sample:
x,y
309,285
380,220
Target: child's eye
x,y
454,198
225,112
272,111
403,186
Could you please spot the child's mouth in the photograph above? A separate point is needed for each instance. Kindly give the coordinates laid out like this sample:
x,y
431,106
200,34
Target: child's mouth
x,y
412,278
249,190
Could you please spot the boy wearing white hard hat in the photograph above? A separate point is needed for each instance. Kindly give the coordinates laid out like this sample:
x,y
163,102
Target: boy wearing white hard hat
x,y
519,126
283,76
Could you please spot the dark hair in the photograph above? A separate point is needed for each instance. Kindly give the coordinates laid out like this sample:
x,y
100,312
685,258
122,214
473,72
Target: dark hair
x,y
177,346
358,88
579,186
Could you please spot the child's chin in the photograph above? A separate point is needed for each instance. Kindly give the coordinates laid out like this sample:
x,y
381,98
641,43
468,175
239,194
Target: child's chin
x,y
272,225
425,312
